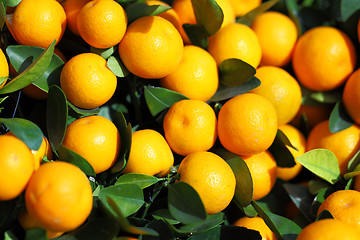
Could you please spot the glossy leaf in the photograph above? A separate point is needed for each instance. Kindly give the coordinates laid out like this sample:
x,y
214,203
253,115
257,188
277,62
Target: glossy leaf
x,y
316,185
210,222
250,16
234,72
141,9
293,10
354,161
197,35
280,152
327,97
81,111
185,204
2,14
162,228
208,14
117,67
104,53
12,3
348,8
228,232
2,80
142,180
339,119
8,235
322,163
164,214
320,198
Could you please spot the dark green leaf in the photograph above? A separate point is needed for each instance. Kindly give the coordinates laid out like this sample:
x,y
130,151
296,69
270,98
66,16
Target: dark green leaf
x,y
322,163
339,120
227,232
2,80
208,14
234,72
250,16
280,152
104,53
293,12
197,35
185,204
320,198
164,214
81,111
210,222
354,161
350,175
162,228
117,67
141,9
2,14
325,214
327,97
36,234
316,185
348,8
25,130
12,3
142,180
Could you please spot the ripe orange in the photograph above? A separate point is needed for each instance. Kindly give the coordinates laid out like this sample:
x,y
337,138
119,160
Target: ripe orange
x,y
344,205
185,11
59,196
190,126
87,81
17,164
235,40
247,124
258,224
297,139
196,76
228,11
313,113
151,48
330,229
351,97
44,150
150,154
96,139
102,23
343,144
241,7
72,9
37,22
277,35
323,58
262,167
281,89
4,67
211,177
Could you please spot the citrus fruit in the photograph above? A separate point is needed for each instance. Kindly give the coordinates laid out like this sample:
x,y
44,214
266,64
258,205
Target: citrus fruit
x,y
185,11
96,139
150,154
72,9
277,35
87,81
262,167
257,224
190,126
151,48
351,97
323,58
241,7
4,68
44,150
343,144
37,22
59,196
235,40
17,164
196,76
211,177
281,89
247,124
102,23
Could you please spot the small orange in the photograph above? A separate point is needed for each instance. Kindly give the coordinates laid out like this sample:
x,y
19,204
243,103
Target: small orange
x,y
262,167
343,144
96,139
59,196
17,164
277,35
151,48
190,126
247,124
323,58
150,154
257,224
44,150
242,7
87,81
37,22
102,23
196,76
313,114
351,97
4,67
72,9
211,177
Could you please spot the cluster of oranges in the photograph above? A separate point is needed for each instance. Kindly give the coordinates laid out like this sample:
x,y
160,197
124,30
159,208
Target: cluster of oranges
x,y
58,195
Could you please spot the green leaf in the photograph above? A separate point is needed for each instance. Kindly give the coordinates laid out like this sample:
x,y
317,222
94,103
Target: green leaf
x,y
142,180
117,67
67,155
325,214
162,228
56,116
197,35
25,130
320,198
36,234
327,97
339,119
228,232
9,236
164,214
250,16
127,197
322,163
141,9
316,185
83,112
348,8
293,13
3,79
234,72
185,204
159,99
12,3
2,14
208,14
349,175
104,53
354,161
280,152
210,222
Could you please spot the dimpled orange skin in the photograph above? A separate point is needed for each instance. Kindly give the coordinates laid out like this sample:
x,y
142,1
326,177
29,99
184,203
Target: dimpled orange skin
x,y
96,139
72,9
323,58
257,224
151,48
59,196
351,96
247,124
4,67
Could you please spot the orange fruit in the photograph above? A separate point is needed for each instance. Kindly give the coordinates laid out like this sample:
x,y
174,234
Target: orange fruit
x,y
4,67
323,58
102,23
59,196
277,35
281,89
343,144
150,154
228,11
262,167
72,9
196,76
257,224
96,139
235,40
190,126
247,124
37,22
87,81
151,48
350,96
313,113
211,177
44,150
241,7
297,139
329,229
17,164
344,205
